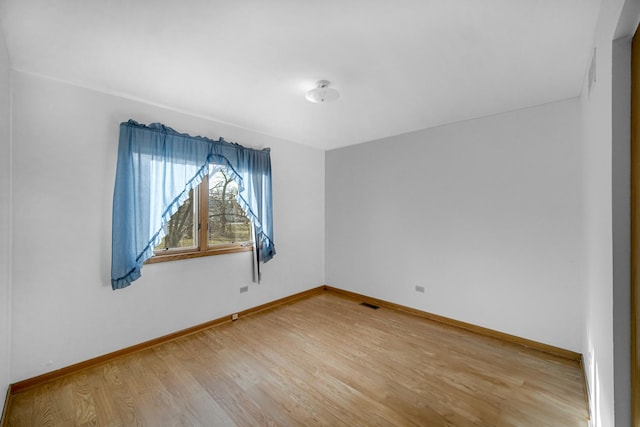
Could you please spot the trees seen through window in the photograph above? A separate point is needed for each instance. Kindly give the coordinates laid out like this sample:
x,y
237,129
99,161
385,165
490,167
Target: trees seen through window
x,y
209,221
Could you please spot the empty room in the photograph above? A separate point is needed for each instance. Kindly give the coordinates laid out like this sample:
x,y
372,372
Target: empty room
x,y
337,213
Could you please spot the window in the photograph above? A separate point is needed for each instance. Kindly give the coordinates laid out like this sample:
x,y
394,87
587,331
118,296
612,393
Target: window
x,y
157,167
209,222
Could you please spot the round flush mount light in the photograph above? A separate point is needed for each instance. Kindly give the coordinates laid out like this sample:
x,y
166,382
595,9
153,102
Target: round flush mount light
x,y
322,93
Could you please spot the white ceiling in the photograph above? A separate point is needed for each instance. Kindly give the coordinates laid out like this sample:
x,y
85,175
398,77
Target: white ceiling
x,y
399,65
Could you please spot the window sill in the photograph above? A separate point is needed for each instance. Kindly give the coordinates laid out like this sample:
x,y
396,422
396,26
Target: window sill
x,y
187,254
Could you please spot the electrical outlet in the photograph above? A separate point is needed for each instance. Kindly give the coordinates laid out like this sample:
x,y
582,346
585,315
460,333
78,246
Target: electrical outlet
x,y
420,289
234,316
244,289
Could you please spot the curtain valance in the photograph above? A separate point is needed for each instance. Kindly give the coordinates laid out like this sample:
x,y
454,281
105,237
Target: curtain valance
x,y
157,167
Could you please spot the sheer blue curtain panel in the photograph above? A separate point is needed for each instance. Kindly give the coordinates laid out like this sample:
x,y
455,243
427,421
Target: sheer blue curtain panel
x,y
156,169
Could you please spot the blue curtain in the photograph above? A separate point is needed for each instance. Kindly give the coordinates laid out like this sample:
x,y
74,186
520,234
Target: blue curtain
x,y
157,167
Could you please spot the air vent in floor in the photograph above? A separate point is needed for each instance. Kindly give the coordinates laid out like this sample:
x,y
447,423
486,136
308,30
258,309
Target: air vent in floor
x,y
366,304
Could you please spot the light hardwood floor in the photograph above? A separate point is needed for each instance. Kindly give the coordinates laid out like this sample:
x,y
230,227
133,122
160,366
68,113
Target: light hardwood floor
x,y
323,360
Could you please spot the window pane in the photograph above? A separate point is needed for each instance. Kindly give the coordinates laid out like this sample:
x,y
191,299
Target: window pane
x,y
181,229
227,221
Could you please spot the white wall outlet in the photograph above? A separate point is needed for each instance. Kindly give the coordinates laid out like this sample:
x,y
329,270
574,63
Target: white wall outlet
x,y
420,289
234,316
244,289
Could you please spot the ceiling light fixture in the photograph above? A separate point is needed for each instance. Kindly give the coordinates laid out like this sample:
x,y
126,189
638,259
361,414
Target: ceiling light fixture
x,y
322,93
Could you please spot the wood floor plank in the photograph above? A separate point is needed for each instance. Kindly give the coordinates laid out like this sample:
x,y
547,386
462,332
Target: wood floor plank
x,y
326,361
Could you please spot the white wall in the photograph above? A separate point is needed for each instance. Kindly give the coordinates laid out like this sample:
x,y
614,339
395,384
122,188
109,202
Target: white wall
x,y
5,224
485,214
598,343
64,311
605,123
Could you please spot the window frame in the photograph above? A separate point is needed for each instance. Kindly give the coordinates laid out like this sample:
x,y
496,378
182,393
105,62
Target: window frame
x,y
202,249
